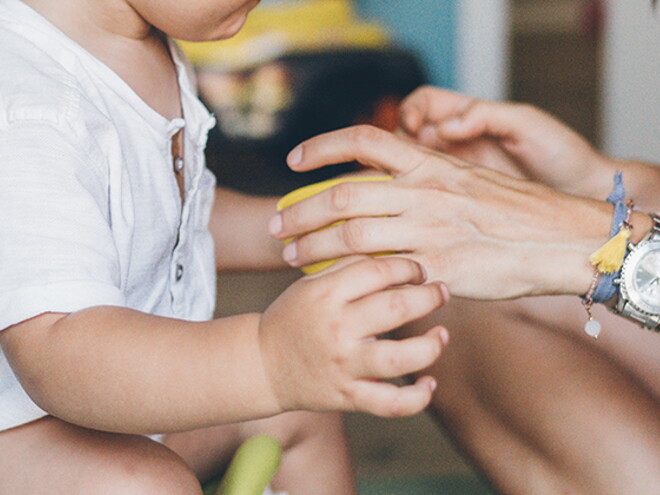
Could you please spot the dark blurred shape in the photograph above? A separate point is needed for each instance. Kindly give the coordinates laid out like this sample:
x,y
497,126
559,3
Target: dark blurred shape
x,y
320,92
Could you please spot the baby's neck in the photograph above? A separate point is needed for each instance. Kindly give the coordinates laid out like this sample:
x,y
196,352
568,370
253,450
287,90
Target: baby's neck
x,y
115,34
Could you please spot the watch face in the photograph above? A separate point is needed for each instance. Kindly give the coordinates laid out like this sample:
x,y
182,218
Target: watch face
x,y
647,278
642,278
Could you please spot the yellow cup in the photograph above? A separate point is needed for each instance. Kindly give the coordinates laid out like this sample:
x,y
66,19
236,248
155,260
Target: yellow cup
x,y
307,191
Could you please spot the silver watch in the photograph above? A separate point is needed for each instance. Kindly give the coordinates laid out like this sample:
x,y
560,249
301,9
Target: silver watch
x,y
639,285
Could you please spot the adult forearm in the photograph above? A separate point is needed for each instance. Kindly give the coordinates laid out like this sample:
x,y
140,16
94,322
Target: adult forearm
x,y
121,370
642,181
567,270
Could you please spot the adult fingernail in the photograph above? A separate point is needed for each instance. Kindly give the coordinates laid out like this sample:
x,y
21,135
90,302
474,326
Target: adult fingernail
x,y
275,225
445,293
444,336
433,385
295,156
423,273
290,253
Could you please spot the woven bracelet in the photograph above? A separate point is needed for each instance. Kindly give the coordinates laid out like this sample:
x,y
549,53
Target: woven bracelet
x,y
608,259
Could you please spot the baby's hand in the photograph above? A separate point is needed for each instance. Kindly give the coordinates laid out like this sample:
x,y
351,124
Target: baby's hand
x,y
319,346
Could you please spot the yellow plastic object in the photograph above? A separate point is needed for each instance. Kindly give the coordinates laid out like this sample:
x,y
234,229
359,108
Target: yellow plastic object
x,y
307,191
255,463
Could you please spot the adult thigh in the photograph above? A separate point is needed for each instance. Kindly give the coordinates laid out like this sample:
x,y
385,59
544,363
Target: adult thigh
x,y
541,407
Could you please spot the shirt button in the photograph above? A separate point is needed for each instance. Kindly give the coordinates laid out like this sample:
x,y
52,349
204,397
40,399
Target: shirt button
x,y
178,165
179,272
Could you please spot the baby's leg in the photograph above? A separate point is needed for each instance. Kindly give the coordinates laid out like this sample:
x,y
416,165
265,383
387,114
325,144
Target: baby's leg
x,y
540,407
315,454
51,456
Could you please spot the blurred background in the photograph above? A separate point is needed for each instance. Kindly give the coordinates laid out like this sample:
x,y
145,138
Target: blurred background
x,y
304,67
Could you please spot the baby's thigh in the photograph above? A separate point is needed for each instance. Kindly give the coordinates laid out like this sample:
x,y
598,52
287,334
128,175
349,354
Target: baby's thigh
x,y
51,456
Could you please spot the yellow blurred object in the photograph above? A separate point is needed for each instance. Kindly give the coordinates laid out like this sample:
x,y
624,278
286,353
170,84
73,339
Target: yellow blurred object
x,y
305,192
253,466
288,26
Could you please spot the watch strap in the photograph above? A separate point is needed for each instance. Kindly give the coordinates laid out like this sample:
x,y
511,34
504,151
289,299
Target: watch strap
x,y
651,322
654,233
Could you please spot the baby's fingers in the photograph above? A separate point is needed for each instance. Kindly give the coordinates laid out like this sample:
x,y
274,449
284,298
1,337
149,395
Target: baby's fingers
x,y
388,400
383,359
390,309
373,275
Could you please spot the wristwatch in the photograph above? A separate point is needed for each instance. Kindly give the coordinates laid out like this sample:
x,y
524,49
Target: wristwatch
x,y
639,284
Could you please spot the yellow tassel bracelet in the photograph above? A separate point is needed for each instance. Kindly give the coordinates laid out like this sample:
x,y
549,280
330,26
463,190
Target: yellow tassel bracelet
x,y
607,261
609,257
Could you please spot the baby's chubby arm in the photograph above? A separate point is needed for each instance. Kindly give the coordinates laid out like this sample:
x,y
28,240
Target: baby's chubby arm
x,y
239,228
121,370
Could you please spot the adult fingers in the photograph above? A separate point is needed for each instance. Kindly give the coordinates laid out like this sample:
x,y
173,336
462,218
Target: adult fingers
x,y
345,200
372,275
437,117
390,309
366,144
493,119
388,400
393,358
431,104
359,235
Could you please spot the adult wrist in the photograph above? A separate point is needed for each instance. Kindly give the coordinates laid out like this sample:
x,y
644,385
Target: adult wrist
x,y
641,225
613,281
561,265
597,182
595,232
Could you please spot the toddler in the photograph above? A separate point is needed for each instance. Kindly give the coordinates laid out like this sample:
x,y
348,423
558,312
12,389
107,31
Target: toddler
x,y
111,230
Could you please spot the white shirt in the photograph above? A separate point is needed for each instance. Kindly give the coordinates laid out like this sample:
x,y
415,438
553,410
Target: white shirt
x,y
90,211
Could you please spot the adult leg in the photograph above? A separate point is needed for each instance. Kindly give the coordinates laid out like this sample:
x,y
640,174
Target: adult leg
x,y
315,452
543,409
51,456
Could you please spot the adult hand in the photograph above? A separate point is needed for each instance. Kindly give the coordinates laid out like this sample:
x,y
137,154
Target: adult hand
x,y
484,233
517,139
319,346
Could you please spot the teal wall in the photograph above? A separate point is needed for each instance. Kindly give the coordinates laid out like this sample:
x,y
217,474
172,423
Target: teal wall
x,y
428,27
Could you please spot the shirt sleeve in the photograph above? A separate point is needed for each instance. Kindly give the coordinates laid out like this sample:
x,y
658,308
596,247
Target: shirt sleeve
x,y
57,252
